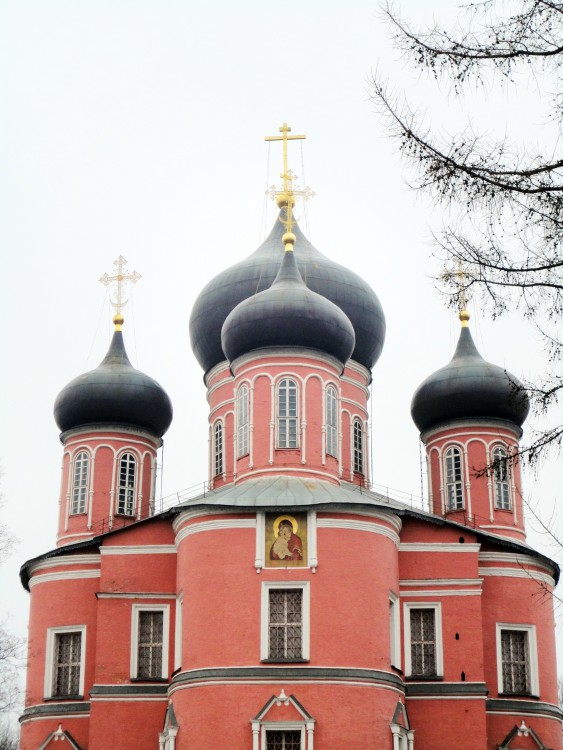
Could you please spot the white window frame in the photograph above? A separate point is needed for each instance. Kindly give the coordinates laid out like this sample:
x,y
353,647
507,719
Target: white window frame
x,y
533,671
503,500
136,469
218,449
178,632
394,631
331,421
437,607
267,586
282,726
243,421
456,485
80,487
287,418
358,454
135,612
52,634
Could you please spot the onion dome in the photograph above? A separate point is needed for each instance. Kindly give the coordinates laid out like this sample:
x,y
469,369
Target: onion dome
x,y
256,273
469,387
288,314
114,393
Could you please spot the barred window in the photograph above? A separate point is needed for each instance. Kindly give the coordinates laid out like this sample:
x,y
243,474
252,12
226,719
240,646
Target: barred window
x,y
80,483
287,414
126,486
285,624
218,448
358,447
242,421
500,478
454,481
67,661
150,645
515,661
423,642
331,421
283,739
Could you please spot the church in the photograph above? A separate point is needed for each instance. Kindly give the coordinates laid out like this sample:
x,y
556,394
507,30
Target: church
x,y
289,606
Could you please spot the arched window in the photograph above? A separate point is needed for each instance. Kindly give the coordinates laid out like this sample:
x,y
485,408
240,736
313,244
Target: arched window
x,y
500,478
287,414
80,483
242,421
331,421
454,481
218,448
126,485
358,438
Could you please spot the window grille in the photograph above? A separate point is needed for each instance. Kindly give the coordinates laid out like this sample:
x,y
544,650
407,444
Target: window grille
x,y
331,422
242,421
283,740
126,490
358,447
500,478
454,482
423,642
287,414
66,673
150,645
218,448
285,624
515,661
80,483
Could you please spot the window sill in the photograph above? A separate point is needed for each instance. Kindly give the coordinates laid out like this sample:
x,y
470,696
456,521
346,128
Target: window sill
x,y
125,515
424,678
504,510
51,698
284,661
519,695
149,679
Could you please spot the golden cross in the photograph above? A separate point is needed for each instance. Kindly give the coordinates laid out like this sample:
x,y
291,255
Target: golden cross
x,y
119,278
463,313
286,198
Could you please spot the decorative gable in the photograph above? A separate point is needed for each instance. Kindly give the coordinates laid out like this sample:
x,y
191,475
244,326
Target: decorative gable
x,y
62,736
522,738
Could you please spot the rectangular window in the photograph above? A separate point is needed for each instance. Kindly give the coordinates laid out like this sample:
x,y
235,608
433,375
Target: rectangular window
x,y
331,421
358,447
285,621
126,485
149,642
517,659
289,739
423,640
394,631
80,483
64,663
242,421
287,414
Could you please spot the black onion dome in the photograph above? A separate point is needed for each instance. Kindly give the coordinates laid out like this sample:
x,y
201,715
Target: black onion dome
x,y
114,393
288,314
469,388
256,273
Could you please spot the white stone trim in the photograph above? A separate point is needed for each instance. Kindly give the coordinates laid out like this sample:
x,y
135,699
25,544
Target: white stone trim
x,y
437,547
64,575
437,607
178,632
367,526
136,610
394,630
532,655
50,656
534,575
56,562
215,525
138,549
267,586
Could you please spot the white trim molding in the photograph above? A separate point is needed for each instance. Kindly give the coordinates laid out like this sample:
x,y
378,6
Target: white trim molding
x,y
136,611
268,586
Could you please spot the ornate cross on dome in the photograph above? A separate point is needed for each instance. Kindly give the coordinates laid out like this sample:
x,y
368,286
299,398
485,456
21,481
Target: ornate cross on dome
x,y
286,197
119,279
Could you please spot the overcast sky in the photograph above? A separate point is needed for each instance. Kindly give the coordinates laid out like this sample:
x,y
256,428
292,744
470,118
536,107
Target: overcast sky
x,y
137,128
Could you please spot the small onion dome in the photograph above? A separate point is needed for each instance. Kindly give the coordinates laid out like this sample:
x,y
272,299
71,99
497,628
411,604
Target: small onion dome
x,y
288,314
469,388
114,393
256,273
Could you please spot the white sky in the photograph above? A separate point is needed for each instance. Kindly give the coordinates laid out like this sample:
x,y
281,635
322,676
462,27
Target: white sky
x,y
136,128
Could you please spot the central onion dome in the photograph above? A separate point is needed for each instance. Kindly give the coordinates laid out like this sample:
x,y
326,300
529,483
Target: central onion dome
x,y
256,273
114,393
288,314
469,387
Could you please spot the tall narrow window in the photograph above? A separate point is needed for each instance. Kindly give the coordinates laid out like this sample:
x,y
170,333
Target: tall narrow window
x,y
242,421
286,624
287,414
517,659
331,422
358,447
150,645
454,482
423,642
126,486
500,478
218,448
67,662
80,483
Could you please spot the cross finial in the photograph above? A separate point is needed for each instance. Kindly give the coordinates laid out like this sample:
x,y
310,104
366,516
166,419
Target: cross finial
x,y
463,312
120,277
286,197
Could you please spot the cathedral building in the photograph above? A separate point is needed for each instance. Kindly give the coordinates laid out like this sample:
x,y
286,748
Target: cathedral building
x,y
290,607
